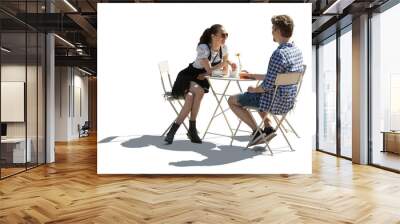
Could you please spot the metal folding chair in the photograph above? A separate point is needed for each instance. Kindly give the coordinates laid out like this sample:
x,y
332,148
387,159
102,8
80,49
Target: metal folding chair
x,y
166,78
283,79
286,119
282,125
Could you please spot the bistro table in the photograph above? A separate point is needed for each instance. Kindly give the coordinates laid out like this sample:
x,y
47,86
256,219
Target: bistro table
x,y
228,80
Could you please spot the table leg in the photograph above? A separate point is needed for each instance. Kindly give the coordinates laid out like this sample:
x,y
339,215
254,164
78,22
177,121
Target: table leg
x,y
222,110
240,88
218,106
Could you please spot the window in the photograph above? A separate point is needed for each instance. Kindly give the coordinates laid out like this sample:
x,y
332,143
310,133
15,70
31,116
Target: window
x,y
327,96
346,95
385,89
22,66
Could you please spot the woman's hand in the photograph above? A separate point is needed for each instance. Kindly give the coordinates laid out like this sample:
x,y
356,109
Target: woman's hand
x,y
202,76
218,66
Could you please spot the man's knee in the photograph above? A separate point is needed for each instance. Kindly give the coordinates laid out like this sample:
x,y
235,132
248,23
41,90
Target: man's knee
x,y
232,101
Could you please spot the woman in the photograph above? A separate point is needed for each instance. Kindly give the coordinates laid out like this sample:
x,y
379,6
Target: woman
x,y
192,82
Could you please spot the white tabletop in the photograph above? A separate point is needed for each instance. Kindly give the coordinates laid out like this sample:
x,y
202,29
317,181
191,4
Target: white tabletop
x,y
230,78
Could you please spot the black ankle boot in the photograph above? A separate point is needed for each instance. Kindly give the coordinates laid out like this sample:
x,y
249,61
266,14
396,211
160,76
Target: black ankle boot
x,y
192,134
171,133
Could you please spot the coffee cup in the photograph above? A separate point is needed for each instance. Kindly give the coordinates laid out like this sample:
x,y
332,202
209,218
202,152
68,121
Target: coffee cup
x,y
234,73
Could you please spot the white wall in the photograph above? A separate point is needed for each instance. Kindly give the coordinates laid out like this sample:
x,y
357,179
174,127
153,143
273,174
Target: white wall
x,y
14,73
69,82
80,83
61,103
17,73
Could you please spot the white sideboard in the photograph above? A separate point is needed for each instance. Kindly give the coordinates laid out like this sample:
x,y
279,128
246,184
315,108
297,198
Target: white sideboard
x,y
18,145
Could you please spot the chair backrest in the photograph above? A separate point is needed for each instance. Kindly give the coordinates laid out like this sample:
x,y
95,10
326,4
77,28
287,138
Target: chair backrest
x,y
163,66
289,78
301,80
165,77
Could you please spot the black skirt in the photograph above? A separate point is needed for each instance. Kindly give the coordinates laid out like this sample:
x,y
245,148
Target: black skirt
x,y
182,83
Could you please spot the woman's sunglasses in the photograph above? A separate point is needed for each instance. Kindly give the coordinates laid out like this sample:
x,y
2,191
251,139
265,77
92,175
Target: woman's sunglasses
x,y
224,35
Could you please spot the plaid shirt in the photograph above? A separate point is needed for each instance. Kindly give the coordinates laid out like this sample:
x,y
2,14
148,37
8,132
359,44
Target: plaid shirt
x,y
286,58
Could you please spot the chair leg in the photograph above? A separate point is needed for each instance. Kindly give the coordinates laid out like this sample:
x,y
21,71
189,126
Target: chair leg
x,y
177,114
287,140
282,125
284,128
290,126
279,124
269,148
248,144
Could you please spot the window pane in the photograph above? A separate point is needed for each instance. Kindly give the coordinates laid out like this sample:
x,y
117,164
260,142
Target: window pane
x,y
41,98
327,96
22,90
14,153
346,93
31,101
385,89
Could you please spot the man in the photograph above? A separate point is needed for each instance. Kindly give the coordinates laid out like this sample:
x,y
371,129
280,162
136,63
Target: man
x,y
286,58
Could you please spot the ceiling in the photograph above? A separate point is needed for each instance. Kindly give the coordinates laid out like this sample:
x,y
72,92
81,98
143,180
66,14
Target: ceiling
x,y
76,22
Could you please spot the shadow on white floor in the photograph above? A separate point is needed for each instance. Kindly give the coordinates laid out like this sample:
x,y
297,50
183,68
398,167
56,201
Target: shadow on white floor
x,y
143,154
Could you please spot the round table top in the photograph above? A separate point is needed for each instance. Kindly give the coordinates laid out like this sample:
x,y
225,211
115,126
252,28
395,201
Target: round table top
x,y
228,78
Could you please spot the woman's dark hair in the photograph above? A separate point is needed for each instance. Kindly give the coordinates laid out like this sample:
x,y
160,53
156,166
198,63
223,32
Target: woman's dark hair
x,y
206,36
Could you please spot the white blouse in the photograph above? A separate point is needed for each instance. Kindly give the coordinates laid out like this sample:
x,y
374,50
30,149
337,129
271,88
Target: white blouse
x,y
203,52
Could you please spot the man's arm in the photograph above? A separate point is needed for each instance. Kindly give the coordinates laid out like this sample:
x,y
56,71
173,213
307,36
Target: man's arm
x,y
257,89
256,76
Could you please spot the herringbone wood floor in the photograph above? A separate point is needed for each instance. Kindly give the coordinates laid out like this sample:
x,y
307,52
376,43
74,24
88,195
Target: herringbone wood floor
x,y
70,191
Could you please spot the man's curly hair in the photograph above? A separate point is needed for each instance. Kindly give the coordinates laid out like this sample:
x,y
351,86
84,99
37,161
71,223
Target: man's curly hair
x,y
284,23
